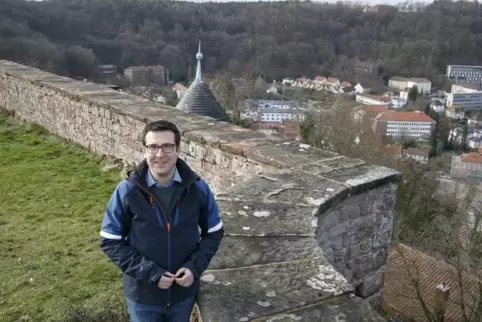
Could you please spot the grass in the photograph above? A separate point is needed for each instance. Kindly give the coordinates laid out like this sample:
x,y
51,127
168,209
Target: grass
x,y
52,200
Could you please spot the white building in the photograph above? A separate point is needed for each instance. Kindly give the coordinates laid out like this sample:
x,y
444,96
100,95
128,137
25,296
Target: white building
x,y
368,99
424,86
397,102
437,106
272,111
464,74
465,97
287,81
397,124
454,112
359,88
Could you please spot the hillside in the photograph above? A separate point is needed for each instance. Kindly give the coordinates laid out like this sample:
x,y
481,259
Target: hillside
x,y
71,37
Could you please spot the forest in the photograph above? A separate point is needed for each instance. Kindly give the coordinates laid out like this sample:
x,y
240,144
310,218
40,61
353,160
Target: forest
x,y
274,39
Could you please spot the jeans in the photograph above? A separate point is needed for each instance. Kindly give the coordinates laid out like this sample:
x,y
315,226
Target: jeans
x,y
179,312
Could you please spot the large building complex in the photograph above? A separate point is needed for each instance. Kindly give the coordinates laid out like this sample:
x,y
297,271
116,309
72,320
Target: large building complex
x,y
272,111
466,97
464,74
412,124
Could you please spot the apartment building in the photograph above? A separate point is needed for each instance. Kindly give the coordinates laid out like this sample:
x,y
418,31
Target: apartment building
x,y
467,165
466,97
412,124
272,111
464,74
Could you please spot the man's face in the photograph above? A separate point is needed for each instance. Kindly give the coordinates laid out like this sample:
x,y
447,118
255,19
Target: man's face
x,y
162,162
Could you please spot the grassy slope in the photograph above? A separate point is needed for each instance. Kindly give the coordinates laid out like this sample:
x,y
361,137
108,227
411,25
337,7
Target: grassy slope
x,y
52,200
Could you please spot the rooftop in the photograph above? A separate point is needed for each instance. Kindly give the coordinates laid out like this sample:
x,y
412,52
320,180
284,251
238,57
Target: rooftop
x,y
405,117
398,291
472,157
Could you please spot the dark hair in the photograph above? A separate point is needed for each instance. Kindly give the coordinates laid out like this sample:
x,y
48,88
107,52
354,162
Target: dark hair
x,y
160,126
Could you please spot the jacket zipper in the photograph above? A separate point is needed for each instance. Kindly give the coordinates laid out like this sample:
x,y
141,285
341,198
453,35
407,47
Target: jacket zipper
x,y
168,222
152,198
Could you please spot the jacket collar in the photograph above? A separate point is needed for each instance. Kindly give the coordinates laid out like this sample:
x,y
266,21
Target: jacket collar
x,y
186,175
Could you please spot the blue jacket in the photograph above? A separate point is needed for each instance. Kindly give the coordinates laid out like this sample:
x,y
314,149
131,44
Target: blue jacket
x,y
144,241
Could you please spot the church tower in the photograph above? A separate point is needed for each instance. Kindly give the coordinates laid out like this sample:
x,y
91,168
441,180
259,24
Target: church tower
x,y
198,98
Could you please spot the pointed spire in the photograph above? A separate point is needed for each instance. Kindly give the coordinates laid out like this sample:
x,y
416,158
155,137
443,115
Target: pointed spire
x,y
199,57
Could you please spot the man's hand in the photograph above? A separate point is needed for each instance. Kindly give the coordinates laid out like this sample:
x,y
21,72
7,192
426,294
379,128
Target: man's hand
x,y
166,280
184,277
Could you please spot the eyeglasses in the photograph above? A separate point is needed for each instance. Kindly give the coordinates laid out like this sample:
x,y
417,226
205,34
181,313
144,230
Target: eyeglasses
x,y
166,148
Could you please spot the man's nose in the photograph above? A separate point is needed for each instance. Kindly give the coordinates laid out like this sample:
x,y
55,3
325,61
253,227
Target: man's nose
x,y
160,153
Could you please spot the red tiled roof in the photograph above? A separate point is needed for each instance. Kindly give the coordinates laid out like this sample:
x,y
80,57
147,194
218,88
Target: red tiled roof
x,y
473,157
405,117
320,78
345,84
399,293
415,151
179,87
392,149
375,108
332,80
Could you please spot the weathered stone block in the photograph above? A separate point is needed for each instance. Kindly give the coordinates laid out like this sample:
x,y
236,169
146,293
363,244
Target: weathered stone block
x,y
370,284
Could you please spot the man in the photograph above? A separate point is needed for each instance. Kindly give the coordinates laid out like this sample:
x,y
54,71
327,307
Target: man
x,y
151,230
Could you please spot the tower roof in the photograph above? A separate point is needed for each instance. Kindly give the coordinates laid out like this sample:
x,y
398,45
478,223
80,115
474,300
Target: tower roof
x,y
198,99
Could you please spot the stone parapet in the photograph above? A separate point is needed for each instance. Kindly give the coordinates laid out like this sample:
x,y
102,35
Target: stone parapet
x,y
305,228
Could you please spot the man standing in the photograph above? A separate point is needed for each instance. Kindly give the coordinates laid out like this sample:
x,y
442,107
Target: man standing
x,y
151,230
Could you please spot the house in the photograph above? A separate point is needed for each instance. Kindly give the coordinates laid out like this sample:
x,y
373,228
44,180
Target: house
x,y
419,155
345,84
359,88
467,165
272,90
319,80
179,89
146,75
454,112
411,124
332,82
287,81
283,128
397,102
474,142
437,105
409,271
393,151
368,99
302,82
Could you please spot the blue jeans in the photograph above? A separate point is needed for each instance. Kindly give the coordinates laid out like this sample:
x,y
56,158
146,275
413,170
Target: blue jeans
x,y
179,312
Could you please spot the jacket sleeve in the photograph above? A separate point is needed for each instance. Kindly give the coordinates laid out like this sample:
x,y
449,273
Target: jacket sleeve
x,y
113,242
212,233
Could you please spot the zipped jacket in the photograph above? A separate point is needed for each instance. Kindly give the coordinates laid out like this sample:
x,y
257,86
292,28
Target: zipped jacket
x,y
144,241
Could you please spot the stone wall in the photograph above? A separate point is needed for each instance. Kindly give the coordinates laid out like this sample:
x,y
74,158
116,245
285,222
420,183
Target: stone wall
x,y
302,225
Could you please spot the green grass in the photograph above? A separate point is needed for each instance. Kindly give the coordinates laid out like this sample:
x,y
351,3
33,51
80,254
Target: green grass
x,y
52,200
